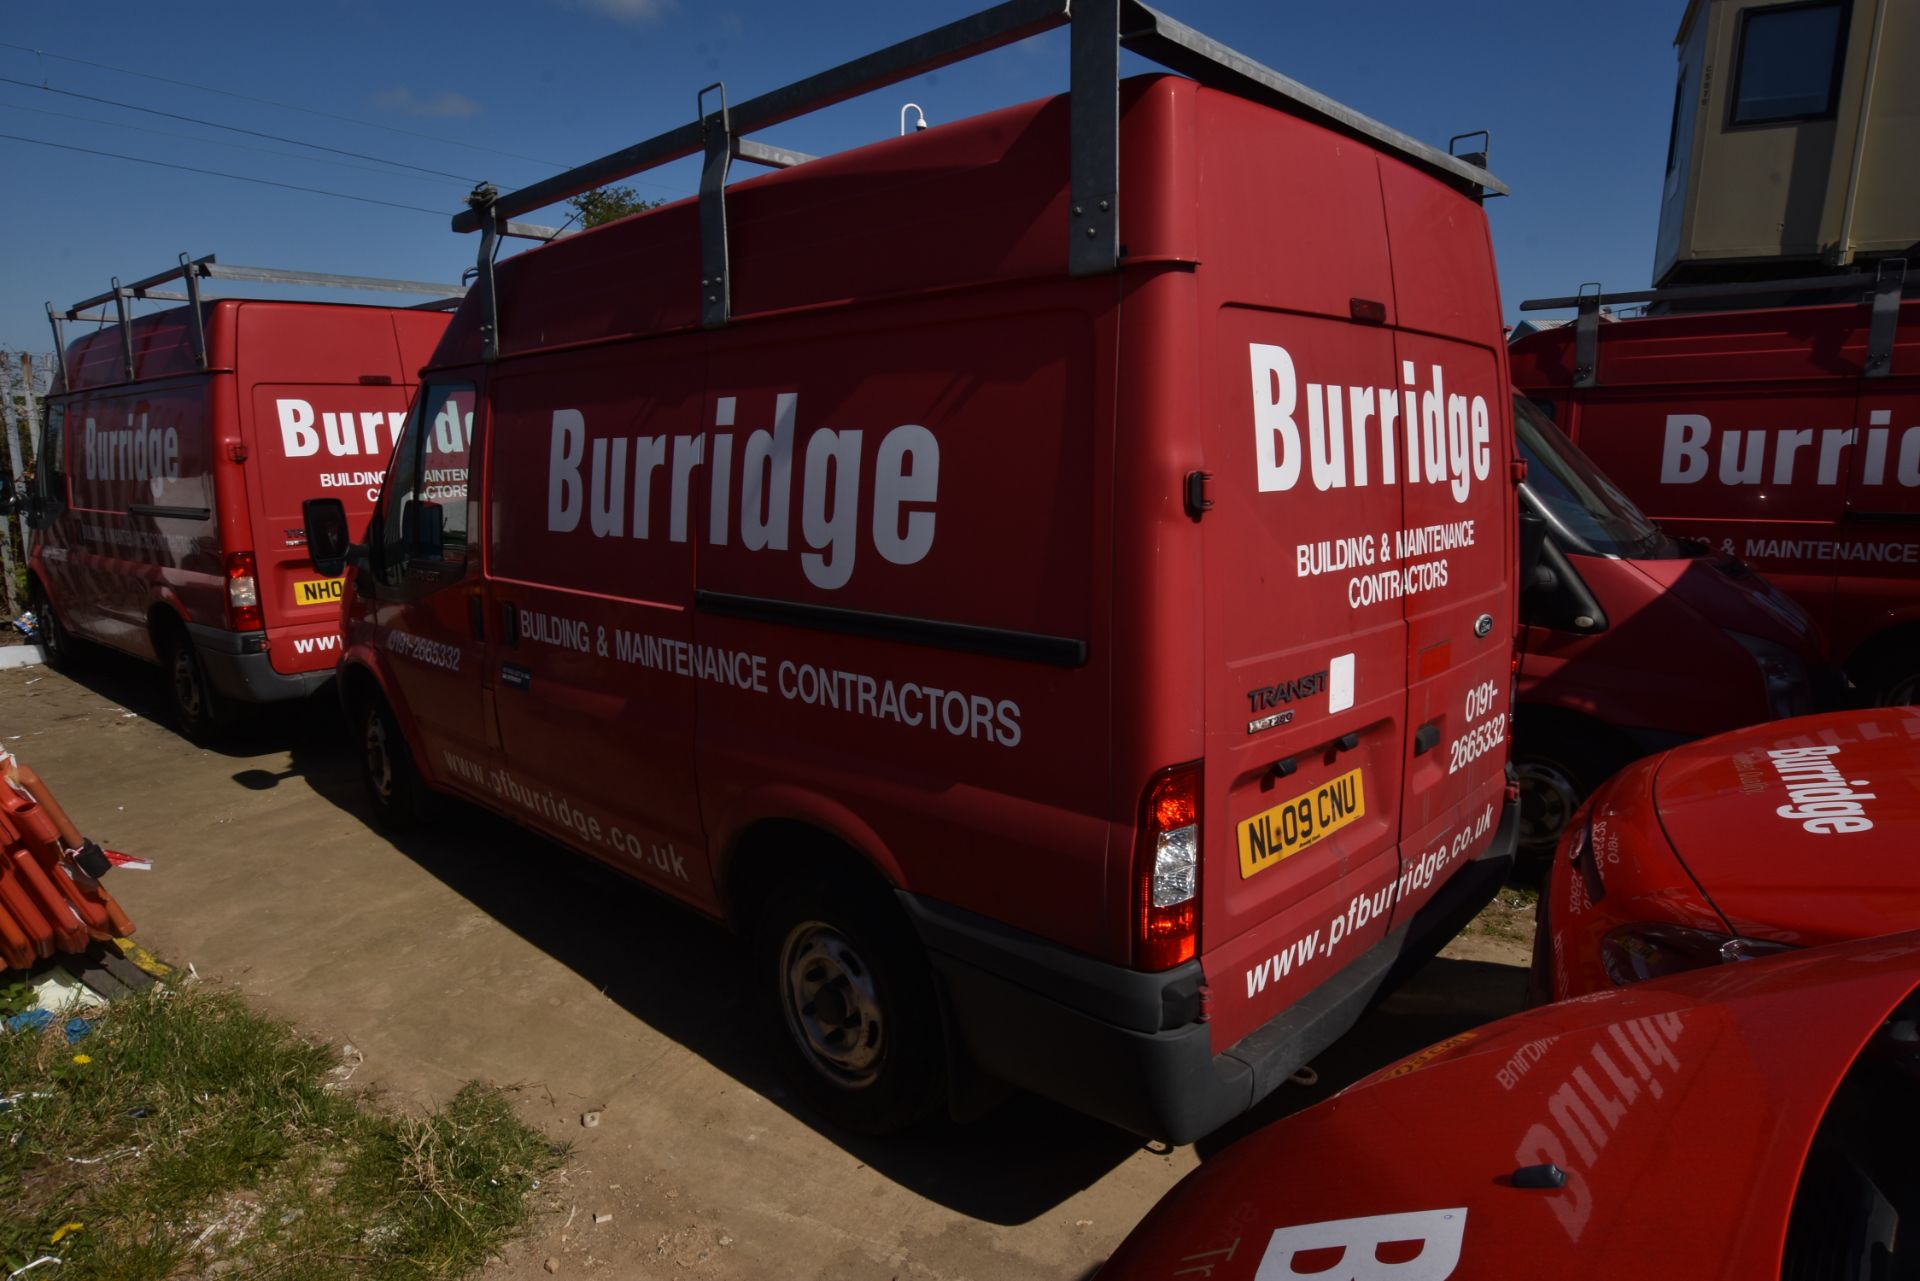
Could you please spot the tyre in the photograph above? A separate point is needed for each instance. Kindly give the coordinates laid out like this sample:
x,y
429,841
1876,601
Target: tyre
x,y
852,1004
198,712
1894,680
394,789
1558,766
54,640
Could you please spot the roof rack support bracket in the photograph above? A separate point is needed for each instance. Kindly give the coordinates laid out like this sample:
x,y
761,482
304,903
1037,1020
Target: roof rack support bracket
x,y
1586,338
126,325
195,320
482,203
59,343
1887,286
715,286
1093,228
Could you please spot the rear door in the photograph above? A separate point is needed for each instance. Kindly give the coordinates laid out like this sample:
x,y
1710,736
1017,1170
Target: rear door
x,y
325,396
1452,560
1305,688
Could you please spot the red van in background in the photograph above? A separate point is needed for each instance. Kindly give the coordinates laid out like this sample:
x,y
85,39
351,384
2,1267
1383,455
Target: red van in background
x,y
1785,436
1634,641
175,453
1067,654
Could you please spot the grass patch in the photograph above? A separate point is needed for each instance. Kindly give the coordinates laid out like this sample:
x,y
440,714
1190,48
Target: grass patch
x,y
191,1136
1510,916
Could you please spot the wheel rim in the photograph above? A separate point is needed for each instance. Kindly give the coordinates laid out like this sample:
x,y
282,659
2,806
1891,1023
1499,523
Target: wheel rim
x,y
186,684
831,1004
1904,690
379,761
1548,797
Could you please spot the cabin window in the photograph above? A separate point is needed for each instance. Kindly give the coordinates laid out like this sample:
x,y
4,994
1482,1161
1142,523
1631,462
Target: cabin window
x,y
1788,64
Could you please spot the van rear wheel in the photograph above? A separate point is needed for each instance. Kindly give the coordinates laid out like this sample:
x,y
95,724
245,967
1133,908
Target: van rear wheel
x,y
54,641
198,712
853,1006
386,766
1557,768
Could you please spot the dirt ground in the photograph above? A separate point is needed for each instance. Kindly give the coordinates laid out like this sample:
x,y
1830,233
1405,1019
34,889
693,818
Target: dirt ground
x,y
478,951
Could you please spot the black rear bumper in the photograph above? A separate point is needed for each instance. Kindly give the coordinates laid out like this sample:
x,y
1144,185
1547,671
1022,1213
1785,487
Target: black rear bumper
x,y
1124,1046
238,668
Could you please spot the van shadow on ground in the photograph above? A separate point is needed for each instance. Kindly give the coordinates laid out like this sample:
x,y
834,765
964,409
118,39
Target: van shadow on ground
x,y
686,978
138,687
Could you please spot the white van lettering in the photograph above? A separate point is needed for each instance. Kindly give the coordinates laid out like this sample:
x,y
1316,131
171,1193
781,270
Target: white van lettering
x,y
1744,453
1448,438
137,452
1820,796
590,477
346,433
1355,1245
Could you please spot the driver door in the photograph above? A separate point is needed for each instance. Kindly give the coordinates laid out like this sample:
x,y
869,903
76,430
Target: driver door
x,y
428,610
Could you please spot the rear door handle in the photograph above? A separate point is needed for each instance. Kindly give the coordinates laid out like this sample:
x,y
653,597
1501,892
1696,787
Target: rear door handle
x,y
509,622
1426,738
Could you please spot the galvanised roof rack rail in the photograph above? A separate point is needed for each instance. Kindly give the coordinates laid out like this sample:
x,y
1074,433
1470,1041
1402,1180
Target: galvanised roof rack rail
x,y
1881,288
1099,30
192,271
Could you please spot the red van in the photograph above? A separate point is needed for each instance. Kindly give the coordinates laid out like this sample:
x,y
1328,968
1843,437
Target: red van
x,y
1786,436
1061,643
1634,640
176,450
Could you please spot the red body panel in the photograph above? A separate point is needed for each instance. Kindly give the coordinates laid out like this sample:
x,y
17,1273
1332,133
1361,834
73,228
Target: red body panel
x,y
1626,676
1681,1113
1755,432
903,554
166,474
1697,837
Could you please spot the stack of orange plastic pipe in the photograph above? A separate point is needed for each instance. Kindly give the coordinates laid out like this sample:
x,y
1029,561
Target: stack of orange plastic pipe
x,y
48,903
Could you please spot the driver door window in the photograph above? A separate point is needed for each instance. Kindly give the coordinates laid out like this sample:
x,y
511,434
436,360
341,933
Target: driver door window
x,y
423,518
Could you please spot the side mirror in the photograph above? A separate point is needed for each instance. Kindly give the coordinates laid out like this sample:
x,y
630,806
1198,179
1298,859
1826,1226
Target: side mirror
x,y
38,512
10,501
328,540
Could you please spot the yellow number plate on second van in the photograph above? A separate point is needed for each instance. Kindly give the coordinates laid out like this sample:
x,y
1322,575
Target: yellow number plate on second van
x,y
317,591
1291,826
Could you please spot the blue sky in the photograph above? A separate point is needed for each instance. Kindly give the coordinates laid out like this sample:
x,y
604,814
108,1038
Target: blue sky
x,y
1577,98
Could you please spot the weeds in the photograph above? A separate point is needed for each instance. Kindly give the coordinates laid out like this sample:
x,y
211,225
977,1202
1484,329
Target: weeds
x,y
189,1135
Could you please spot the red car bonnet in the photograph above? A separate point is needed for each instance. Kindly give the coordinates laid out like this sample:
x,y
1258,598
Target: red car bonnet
x,y
1679,1111
1802,830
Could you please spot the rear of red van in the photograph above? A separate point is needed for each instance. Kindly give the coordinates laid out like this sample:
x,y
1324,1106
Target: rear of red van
x,y
321,392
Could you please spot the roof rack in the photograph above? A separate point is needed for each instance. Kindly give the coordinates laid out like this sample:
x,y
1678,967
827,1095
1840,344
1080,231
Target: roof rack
x,y
1881,289
191,272
1100,29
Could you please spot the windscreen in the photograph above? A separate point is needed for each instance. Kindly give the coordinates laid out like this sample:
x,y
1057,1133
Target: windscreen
x,y
1575,496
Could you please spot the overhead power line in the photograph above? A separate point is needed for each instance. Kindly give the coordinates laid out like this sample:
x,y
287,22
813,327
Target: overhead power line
x,y
215,142
215,173
285,106
252,133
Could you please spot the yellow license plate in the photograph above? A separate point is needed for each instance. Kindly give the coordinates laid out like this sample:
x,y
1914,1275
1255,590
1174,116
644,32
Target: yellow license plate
x,y
317,591
1291,826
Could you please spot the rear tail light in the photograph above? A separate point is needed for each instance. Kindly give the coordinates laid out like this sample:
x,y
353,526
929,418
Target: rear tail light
x,y
1167,870
243,593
